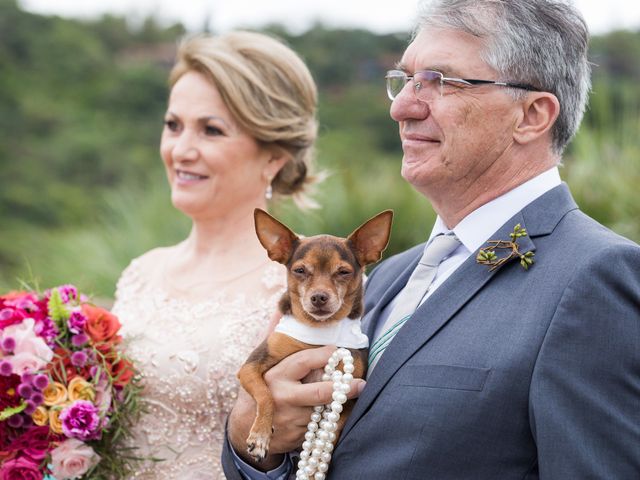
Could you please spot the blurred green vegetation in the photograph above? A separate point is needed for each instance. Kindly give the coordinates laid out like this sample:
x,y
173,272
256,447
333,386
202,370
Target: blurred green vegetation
x,y
82,188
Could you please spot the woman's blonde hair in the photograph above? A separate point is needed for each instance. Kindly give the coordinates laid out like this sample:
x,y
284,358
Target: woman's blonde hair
x,y
269,91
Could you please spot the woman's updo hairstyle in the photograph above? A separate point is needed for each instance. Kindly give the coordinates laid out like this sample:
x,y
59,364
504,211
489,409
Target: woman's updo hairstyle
x,y
269,91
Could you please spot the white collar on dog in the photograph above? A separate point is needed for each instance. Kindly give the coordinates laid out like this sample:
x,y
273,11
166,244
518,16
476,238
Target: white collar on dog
x,y
345,333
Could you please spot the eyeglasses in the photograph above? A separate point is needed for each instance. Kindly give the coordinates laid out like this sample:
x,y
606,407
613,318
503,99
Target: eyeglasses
x,y
429,83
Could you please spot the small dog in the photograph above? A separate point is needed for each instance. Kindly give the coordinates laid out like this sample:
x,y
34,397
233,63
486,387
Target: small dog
x,y
324,287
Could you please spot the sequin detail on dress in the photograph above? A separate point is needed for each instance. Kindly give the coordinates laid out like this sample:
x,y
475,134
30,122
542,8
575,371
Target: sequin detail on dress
x,y
189,354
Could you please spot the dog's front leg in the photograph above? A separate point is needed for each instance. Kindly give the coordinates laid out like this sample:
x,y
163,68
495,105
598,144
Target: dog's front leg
x,y
251,376
251,379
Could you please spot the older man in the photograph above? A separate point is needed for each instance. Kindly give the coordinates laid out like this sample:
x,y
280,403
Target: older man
x,y
522,357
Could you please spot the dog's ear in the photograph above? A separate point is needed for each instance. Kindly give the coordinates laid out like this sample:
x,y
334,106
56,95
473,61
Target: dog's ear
x,y
274,236
371,238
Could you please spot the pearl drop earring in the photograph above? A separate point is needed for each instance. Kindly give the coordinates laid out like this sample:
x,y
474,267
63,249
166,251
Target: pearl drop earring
x,y
268,193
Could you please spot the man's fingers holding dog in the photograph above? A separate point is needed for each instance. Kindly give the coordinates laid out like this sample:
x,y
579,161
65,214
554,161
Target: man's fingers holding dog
x,y
321,393
300,364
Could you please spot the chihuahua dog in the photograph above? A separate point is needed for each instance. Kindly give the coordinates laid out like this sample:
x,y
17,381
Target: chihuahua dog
x,y
322,305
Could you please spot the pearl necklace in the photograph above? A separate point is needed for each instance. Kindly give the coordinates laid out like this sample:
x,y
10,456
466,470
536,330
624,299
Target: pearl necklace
x,y
321,430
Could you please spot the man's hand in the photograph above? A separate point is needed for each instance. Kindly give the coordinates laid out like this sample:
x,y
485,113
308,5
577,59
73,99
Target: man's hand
x,y
294,401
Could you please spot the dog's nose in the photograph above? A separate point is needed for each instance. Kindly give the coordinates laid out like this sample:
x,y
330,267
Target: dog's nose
x,y
319,299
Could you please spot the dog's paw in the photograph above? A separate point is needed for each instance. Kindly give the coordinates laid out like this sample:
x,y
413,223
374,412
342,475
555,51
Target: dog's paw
x,y
258,446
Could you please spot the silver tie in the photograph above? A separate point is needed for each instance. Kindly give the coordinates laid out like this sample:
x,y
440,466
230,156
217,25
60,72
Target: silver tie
x,y
411,295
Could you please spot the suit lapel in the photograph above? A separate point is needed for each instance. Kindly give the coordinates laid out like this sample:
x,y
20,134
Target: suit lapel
x,y
543,215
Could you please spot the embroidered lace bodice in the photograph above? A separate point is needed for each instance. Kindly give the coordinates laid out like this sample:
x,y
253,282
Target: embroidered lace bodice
x,y
188,354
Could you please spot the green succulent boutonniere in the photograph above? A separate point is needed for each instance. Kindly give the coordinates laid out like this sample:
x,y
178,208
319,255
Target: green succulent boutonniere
x,y
488,255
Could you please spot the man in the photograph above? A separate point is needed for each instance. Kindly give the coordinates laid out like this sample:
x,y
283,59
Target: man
x,y
526,369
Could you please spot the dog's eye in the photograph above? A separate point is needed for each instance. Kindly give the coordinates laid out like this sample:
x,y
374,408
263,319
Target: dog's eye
x,y
299,270
344,272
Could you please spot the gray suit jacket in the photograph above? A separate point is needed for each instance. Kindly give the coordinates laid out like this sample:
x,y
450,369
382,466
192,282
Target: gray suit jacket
x,y
509,374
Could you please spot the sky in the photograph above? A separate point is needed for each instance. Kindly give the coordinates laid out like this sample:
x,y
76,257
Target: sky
x,y
298,15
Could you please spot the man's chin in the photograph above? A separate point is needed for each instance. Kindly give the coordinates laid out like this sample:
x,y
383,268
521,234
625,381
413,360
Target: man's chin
x,y
417,173
415,161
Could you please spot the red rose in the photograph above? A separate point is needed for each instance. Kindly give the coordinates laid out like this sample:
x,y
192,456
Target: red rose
x,y
122,372
62,370
20,469
33,443
101,325
120,369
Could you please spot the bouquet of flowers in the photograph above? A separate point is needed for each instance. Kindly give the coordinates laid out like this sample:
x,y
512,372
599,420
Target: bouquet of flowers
x,y
67,391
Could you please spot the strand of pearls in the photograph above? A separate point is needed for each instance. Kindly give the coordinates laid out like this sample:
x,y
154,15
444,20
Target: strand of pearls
x,y
321,430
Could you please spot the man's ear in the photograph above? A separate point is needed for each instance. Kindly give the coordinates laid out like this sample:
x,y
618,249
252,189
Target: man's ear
x,y
274,236
371,238
539,113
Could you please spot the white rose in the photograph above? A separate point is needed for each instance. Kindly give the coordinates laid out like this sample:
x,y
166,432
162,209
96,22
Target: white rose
x,y
72,459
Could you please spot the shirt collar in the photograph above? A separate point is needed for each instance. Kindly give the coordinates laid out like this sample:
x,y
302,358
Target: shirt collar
x,y
476,228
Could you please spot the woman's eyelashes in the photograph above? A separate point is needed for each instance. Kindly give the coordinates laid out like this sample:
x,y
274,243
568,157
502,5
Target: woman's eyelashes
x,y
212,131
208,130
171,124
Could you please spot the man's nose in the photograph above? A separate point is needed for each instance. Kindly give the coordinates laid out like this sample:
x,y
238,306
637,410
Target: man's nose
x,y
406,105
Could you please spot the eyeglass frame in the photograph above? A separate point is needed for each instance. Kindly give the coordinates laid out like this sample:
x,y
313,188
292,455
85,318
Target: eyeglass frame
x,y
465,81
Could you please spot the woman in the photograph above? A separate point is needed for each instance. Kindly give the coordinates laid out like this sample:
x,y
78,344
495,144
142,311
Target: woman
x,y
240,127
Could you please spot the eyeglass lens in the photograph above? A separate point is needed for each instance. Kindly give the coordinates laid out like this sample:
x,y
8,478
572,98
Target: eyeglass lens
x,y
425,83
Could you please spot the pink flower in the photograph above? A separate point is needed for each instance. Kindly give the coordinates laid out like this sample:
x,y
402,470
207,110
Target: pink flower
x,y
21,300
6,368
46,329
79,339
67,293
31,352
76,322
79,359
72,459
80,420
17,306
8,344
20,468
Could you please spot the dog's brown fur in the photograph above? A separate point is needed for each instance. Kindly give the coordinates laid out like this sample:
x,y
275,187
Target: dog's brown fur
x,y
324,285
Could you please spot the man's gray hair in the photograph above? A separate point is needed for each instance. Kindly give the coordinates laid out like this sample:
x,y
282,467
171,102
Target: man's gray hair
x,y
543,43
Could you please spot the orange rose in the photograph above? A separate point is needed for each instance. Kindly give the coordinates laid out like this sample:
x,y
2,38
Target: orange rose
x,y
54,394
80,389
101,325
55,425
40,416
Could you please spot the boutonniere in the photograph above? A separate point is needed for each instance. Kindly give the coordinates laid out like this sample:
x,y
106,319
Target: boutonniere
x,y
488,255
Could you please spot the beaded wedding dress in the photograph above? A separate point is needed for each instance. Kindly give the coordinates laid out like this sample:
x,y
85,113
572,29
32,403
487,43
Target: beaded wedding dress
x,y
189,354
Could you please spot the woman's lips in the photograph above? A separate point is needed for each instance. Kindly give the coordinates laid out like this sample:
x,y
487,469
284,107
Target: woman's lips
x,y
188,178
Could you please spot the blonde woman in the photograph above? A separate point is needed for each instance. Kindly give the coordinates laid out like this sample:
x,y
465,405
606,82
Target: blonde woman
x,y
239,128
